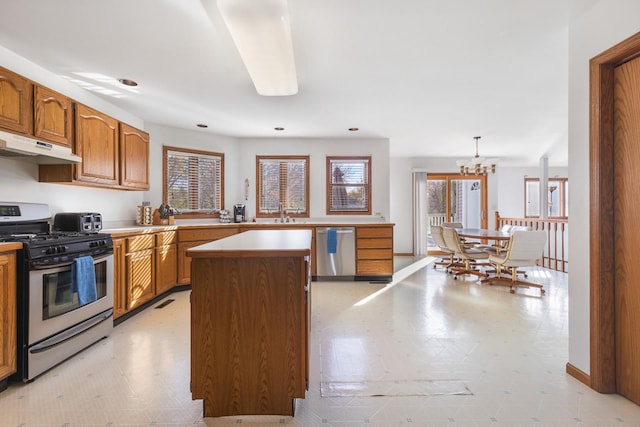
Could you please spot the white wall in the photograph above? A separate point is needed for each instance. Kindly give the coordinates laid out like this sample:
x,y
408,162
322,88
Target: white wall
x,y
28,69
402,194
318,149
173,137
511,188
19,183
605,24
19,178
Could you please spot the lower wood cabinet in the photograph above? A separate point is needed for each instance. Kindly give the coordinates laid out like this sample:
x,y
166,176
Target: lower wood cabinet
x,y
145,267
148,264
374,250
119,278
8,315
140,274
191,237
166,253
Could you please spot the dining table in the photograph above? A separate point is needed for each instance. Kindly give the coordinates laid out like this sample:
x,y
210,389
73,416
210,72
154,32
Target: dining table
x,y
483,234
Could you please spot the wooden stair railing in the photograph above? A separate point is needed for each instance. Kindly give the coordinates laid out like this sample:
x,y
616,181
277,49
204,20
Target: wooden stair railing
x,y
555,256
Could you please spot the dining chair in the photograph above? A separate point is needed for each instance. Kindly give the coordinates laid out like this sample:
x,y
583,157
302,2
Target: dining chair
x,y
459,225
447,258
499,247
467,255
525,248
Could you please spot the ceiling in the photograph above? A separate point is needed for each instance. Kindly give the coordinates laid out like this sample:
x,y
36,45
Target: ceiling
x,y
428,75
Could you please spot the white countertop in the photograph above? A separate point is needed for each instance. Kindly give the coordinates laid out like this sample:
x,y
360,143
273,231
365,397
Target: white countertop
x,y
257,243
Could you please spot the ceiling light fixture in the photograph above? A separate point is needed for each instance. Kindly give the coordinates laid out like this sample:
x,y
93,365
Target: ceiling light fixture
x,y
261,32
128,82
477,165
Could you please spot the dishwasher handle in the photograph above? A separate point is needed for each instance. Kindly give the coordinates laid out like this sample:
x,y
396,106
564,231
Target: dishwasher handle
x,y
338,231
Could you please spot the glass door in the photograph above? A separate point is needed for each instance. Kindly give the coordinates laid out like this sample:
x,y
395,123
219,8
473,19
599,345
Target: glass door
x,y
456,198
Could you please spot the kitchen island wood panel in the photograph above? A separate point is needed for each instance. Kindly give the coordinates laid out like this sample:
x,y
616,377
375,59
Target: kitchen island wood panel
x,y
250,322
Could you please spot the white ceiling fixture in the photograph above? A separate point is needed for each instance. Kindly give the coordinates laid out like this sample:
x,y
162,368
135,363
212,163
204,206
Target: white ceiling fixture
x,y
261,31
477,165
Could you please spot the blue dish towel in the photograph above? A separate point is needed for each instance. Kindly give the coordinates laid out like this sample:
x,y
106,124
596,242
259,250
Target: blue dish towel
x,y
332,241
83,277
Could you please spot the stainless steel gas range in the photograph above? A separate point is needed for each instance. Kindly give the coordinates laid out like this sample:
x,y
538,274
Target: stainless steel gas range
x,y
64,287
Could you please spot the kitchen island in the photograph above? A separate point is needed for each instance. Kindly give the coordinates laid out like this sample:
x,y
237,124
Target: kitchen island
x,y
250,314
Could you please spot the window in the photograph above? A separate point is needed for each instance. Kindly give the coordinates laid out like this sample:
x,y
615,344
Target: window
x,y
557,196
348,185
282,183
193,181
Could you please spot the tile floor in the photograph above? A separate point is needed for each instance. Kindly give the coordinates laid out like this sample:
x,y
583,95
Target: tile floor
x,y
508,350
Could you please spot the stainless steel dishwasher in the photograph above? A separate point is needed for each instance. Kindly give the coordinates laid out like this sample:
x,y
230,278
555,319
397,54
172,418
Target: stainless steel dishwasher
x,y
335,253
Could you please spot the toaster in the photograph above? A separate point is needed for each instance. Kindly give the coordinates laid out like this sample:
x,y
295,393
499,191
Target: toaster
x,y
79,222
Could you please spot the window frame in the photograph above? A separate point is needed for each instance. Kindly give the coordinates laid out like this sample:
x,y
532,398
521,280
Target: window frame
x,y
192,213
330,185
284,159
563,185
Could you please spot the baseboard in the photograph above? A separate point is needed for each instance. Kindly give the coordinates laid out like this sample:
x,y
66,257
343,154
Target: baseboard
x,y
578,374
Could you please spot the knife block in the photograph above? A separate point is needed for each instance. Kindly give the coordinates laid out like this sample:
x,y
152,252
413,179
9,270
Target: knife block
x,y
161,221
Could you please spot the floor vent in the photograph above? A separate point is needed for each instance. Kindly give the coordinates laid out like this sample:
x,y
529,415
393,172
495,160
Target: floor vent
x,y
164,303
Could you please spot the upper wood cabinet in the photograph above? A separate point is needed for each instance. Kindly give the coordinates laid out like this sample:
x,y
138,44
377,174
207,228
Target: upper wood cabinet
x,y
134,158
97,144
53,116
16,102
114,154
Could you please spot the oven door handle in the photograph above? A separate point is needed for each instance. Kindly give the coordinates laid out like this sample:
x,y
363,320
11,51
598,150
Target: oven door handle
x,y
54,341
37,266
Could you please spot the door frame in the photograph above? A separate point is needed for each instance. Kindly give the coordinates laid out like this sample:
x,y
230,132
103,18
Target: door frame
x,y
448,177
602,376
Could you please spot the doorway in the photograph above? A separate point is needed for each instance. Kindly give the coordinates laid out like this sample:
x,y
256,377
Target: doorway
x,y
614,347
456,198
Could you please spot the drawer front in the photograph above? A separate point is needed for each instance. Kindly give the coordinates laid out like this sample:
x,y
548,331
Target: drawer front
x,y
166,238
375,243
138,243
367,232
364,254
374,268
206,234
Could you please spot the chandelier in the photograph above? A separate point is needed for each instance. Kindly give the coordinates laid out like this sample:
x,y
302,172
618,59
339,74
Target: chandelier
x,y
477,165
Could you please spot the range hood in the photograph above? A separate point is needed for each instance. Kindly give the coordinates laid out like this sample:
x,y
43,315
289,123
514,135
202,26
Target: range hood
x,y
12,145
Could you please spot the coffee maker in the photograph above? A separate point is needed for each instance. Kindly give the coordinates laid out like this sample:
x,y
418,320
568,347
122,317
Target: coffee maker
x,y
238,213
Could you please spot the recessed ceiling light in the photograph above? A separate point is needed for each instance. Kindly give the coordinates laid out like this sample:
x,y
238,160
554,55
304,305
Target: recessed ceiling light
x,y
278,129
128,82
202,125
354,129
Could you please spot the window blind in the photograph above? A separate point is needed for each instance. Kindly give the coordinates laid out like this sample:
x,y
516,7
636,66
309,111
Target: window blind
x,y
349,188
282,183
194,181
